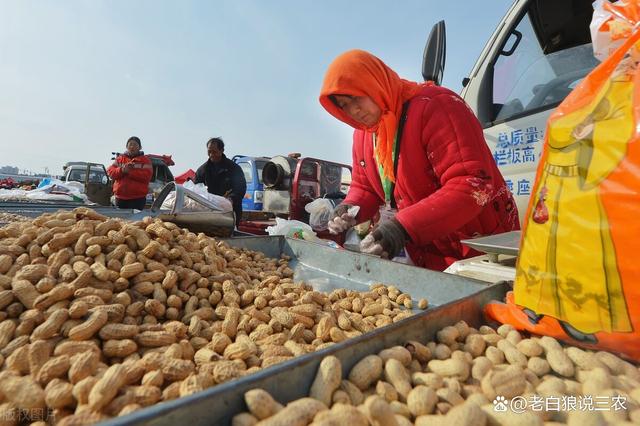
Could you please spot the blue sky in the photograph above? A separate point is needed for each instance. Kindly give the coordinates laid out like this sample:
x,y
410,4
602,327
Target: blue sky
x,y
77,78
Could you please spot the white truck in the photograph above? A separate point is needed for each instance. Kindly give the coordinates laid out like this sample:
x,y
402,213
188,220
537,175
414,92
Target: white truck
x,y
538,53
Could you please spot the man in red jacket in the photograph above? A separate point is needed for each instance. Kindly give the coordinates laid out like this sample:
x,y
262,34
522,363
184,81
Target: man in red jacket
x,y
419,159
131,173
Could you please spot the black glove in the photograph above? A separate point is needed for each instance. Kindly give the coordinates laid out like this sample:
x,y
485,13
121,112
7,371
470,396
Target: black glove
x,y
386,240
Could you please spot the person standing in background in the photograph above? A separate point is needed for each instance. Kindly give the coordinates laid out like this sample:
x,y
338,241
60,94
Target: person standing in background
x,y
222,176
131,173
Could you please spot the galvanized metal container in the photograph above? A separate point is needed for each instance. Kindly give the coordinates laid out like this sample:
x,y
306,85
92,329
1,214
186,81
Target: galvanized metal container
x,y
452,298
326,269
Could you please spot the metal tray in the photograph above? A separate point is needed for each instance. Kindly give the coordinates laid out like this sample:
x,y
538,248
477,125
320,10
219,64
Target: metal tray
x,y
326,269
37,208
505,243
451,298
211,221
292,380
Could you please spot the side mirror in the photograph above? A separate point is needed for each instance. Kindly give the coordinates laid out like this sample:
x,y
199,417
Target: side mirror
x,y
434,56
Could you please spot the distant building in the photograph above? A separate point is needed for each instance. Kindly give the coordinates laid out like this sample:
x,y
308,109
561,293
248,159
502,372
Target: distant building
x,y
9,170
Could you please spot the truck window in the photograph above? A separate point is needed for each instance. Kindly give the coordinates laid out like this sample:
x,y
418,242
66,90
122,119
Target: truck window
x,y
96,176
246,169
160,173
170,177
330,179
76,175
259,167
531,73
345,180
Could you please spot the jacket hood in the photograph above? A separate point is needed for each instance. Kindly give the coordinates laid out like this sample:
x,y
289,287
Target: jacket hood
x,y
359,73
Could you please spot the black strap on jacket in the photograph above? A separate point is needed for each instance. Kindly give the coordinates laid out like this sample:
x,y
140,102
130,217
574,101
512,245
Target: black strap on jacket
x,y
403,119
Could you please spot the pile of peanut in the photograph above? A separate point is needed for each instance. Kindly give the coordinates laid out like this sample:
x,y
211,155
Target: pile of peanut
x,y
100,317
12,217
455,381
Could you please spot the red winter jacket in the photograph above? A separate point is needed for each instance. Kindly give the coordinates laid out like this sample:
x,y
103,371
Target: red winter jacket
x,y
448,187
132,185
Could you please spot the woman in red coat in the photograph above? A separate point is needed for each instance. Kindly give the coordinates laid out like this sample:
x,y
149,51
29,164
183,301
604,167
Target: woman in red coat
x,y
131,173
420,158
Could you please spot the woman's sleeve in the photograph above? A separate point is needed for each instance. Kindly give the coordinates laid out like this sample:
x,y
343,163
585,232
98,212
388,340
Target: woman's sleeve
x,y
453,140
360,191
144,173
114,171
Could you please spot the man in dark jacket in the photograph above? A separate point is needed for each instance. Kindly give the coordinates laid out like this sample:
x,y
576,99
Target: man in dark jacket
x,y
222,176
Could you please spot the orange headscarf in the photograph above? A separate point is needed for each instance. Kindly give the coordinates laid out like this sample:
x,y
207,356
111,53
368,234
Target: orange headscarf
x,y
359,73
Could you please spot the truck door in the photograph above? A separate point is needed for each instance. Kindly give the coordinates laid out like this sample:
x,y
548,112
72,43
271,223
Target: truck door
x,y
98,186
539,53
258,192
249,176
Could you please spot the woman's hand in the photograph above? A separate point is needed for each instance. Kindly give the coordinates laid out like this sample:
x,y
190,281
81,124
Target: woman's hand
x,y
341,220
386,240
